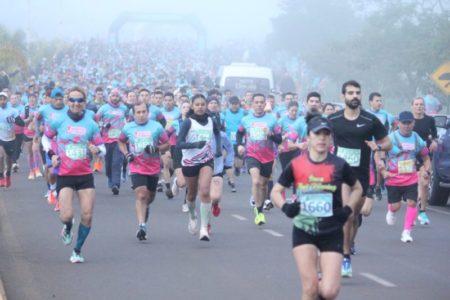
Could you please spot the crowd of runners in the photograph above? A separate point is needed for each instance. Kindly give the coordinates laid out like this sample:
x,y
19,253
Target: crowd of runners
x,y
171,130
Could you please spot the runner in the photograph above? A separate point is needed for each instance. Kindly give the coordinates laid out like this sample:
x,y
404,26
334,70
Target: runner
x,y
9,117
353,132
425,126
321,212
146,140
195,141
77,136
34,161
15,103
261,133
113,117
401,173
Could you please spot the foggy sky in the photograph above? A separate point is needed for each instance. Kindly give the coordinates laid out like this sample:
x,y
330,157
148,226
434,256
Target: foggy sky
x,y
81,19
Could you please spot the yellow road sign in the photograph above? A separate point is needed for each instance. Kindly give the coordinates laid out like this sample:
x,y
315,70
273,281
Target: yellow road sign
x,y
442,77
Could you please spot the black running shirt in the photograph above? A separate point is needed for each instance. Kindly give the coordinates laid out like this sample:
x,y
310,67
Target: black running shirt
x,y
426,127
350,136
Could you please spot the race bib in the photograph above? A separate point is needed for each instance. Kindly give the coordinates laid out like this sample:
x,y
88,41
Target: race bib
x,y
203,135
76,151
257,134
141,143
169,123
113,133
405,166
316,204
351,156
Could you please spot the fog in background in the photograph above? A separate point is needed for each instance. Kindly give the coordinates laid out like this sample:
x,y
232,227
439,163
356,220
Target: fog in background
x,y
82,19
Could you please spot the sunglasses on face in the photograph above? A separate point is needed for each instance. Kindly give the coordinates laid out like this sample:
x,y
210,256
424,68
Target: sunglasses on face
x,y
77,100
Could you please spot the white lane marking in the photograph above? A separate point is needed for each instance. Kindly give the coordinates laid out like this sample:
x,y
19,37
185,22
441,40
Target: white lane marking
x,y
438,211
240,218
272,232
378,280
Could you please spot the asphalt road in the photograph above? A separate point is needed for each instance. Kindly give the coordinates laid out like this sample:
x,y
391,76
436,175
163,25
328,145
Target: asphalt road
x,y
242,261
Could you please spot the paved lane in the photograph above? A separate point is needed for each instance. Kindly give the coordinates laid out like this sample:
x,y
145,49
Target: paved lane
x,y
241,262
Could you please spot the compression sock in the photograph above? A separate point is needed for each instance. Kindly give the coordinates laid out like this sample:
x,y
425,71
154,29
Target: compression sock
x,y
68,226
411,213
83,232
191,206
205,214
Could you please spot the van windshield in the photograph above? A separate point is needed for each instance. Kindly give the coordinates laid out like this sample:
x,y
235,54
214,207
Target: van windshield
x,y
240,85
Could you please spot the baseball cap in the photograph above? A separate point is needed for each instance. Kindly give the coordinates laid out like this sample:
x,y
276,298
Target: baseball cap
x,y
4,95
318,123
57,92
405,116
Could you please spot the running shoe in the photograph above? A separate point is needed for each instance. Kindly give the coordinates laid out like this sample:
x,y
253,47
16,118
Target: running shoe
x,y
66,237
260,219
346,269
115,190
193,224
423,218
268,205
169,193
233,188
184,208
406,236
56,206
37,173
390,218
159,187
7,181
175,188
47,194
252,201
76,258
378,195
124,177
215,208
31,175
51,198
15,167
204,235
141,233
2,182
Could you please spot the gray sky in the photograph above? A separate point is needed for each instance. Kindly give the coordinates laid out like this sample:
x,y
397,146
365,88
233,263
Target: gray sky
x,y
223,19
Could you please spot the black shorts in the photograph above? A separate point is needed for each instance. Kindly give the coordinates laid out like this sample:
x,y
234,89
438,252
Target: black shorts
x,y
397,193
8,146
286,157
265,169
27,139
177,155
76,183
332,242
149,181
195,170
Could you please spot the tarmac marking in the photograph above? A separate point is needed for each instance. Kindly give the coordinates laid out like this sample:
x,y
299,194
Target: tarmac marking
x,y
378,280
239,217
272,232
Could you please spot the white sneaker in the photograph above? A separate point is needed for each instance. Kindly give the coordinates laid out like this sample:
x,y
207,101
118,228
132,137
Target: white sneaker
x,y
390,218
193,224
252,202
175,188
185,208
406,236
268,205
204,235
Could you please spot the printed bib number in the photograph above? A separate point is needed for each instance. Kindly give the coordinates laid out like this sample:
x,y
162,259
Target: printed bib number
x,y
141,143
316,204
405,166
257,134
203,135
76,151
169,123
113,133
351,156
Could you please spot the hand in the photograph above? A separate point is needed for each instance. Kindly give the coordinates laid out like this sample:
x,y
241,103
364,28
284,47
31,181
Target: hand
x,y
372,145
387,174
302,145
343,213
150,149
200,145
129,157
10,119
94,149
56,160
291,210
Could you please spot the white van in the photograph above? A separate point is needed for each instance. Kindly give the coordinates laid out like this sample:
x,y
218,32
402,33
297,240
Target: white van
x,y
243,77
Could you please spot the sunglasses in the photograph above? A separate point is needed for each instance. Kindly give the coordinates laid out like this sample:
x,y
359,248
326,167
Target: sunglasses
x,y
77,100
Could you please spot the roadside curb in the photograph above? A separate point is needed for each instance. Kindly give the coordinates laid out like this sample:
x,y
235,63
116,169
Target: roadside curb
x,y
2,290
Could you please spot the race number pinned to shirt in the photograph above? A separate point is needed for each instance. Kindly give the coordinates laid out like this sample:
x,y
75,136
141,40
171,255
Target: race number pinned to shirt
x,y
405,166
316,204
203,135
142,140
351,156
76,151
113,133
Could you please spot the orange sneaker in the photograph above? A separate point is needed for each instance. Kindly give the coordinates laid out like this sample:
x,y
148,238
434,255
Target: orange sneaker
x,y
52,198
7,181
2,182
